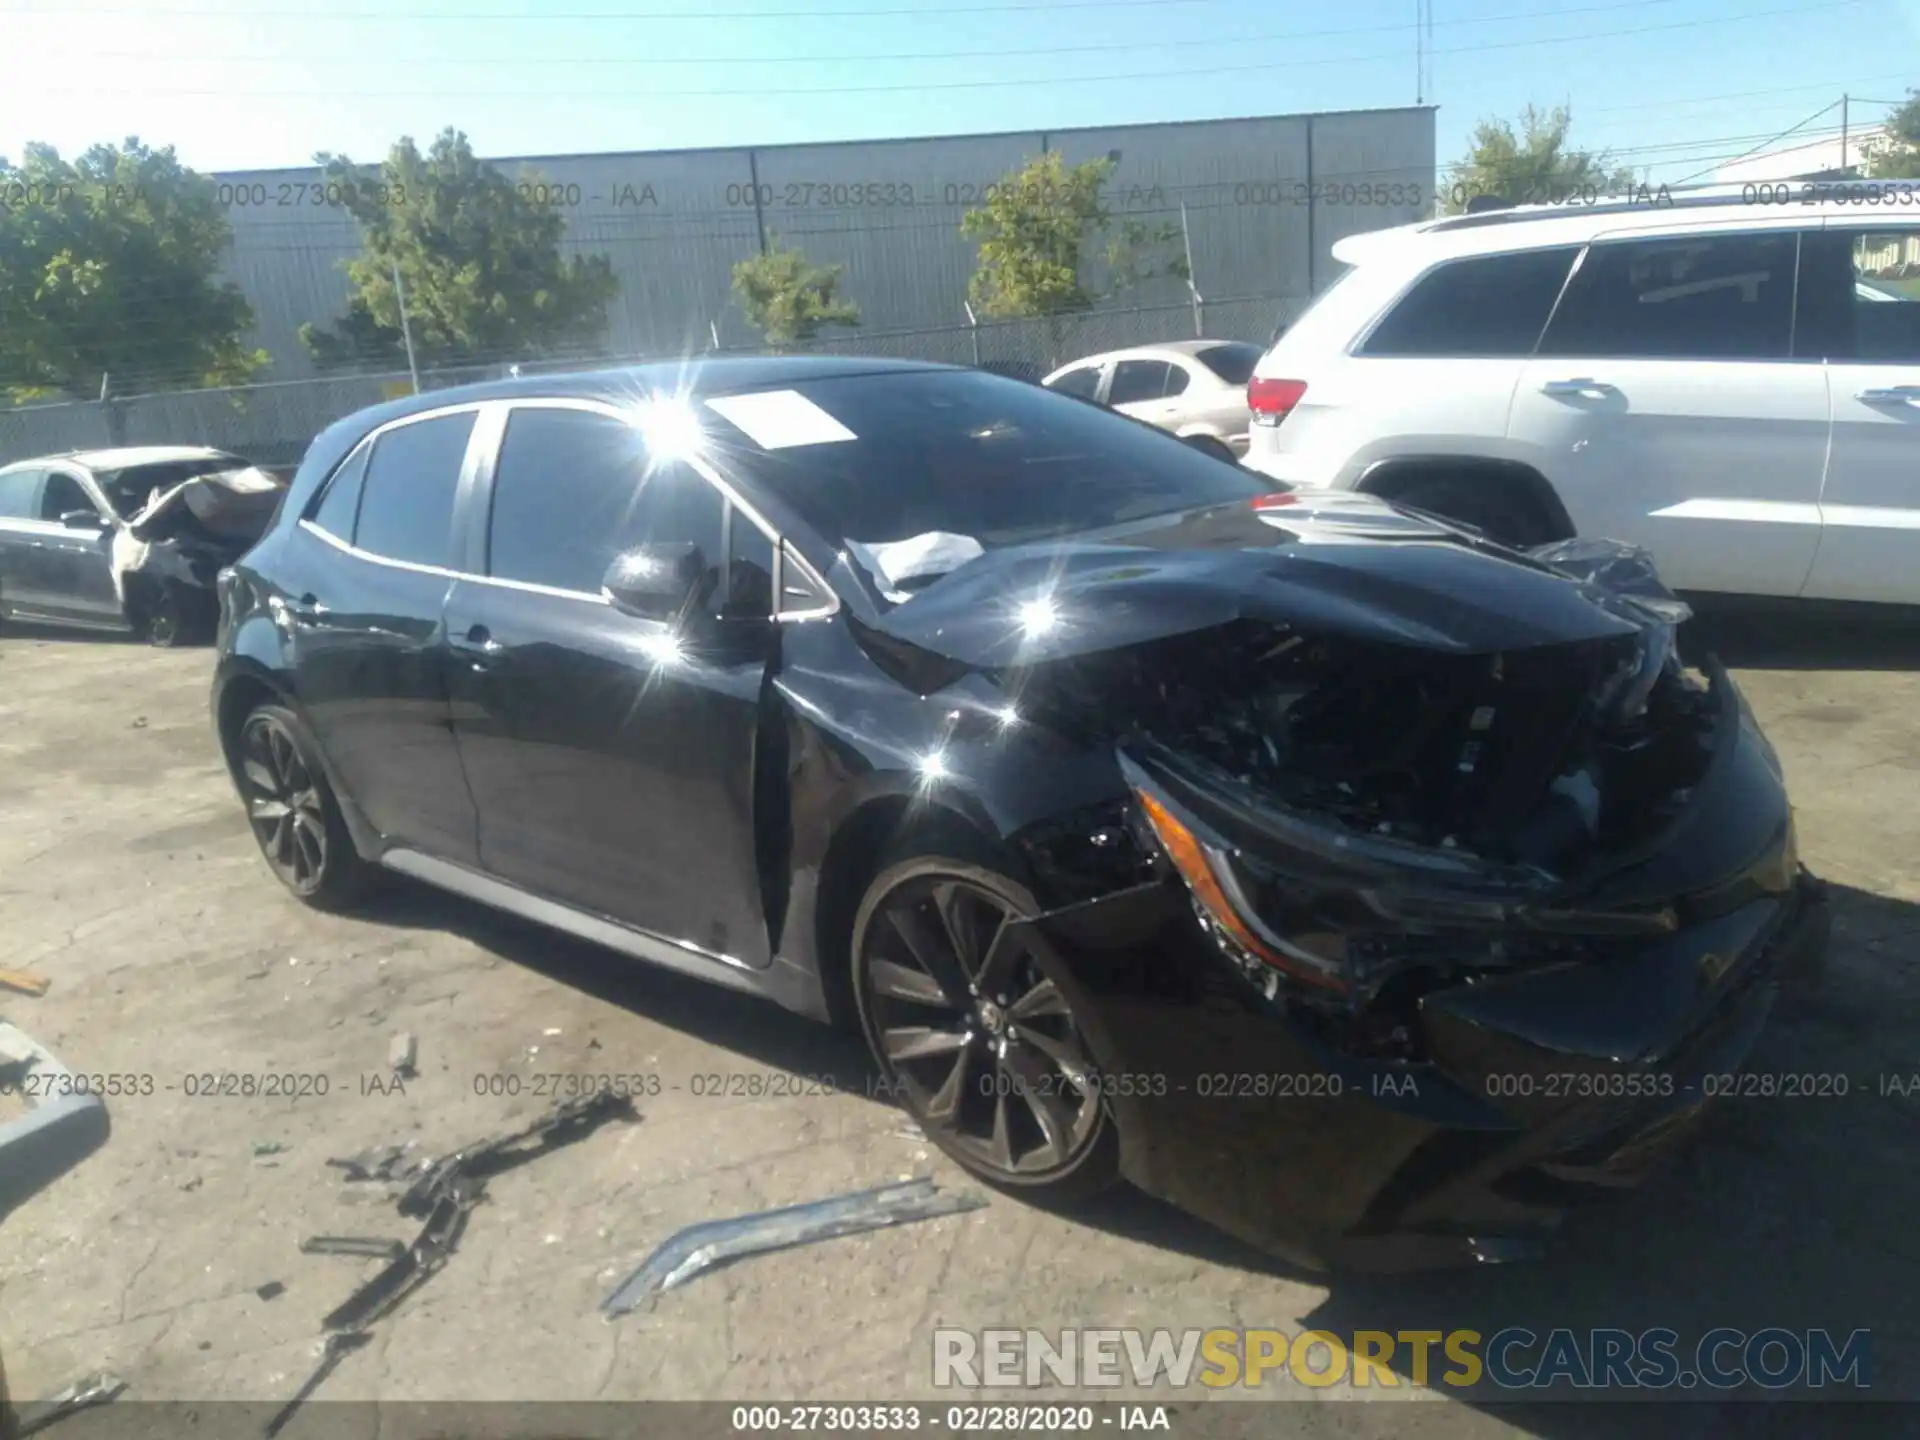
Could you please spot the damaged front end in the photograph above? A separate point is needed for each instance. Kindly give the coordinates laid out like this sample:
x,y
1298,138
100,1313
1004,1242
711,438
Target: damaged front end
x,y
168,556
1516,903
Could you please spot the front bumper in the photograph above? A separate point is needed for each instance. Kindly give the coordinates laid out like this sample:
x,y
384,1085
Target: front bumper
x,y
1541,1090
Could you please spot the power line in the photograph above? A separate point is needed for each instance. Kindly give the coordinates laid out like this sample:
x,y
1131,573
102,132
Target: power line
x,y
66,87
307,58
1773,139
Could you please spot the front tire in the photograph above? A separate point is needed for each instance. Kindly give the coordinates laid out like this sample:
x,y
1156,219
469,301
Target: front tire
x,y
293,813
974,1036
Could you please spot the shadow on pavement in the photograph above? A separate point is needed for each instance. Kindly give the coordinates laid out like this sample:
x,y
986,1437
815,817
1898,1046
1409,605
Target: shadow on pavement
x,y
1790,635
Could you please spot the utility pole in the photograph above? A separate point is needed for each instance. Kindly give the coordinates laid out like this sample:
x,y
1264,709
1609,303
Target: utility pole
x,y
1844,100
406,327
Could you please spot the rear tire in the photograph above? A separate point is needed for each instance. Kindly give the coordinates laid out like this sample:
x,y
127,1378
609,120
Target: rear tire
x,y
1501,511
293,813
974,1037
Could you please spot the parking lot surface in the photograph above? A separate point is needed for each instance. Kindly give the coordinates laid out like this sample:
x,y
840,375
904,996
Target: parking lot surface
x,y
129,878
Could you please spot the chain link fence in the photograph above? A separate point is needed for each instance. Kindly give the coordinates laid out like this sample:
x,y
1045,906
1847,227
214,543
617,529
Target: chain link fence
x,y
272,424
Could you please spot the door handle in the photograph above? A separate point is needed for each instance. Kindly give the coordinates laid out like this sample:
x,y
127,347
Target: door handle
x,y
307,609
481,648
1582,386
1892,395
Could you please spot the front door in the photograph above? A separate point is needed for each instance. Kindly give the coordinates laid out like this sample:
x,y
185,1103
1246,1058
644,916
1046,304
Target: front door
x,y
78,559
1870,505
1665,408
612,758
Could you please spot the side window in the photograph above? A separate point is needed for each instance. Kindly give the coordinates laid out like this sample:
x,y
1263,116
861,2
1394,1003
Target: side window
x,y
64,493
1177,379
573,489
341,499
1703,297
1493,307
749,568
1886,296
1082,384
406,508
20,494
1137,380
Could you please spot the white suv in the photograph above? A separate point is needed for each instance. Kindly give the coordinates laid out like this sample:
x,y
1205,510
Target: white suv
x,y
1729,377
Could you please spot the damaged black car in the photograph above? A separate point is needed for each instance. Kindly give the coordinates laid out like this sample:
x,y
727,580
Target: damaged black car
x,y
1367,889
128,540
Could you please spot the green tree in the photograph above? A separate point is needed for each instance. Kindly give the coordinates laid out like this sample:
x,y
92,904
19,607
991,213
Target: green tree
x,y
1536,165
1897,156
478,258
1040,234
787,297
109,274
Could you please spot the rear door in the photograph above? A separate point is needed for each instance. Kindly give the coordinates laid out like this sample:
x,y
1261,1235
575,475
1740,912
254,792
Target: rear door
x,y
79,560
1666,408
1434,376
1860,307
368,578
611,757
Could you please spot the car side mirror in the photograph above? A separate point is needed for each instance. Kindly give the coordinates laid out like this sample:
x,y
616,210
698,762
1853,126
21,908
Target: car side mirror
x,y
84,520
657,582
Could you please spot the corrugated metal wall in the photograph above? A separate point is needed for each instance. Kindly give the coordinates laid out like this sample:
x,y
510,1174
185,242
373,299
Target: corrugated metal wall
x,y
1264,200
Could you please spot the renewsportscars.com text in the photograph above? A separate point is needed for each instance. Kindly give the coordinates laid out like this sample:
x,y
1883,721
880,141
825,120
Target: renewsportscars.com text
x,y
1515,1358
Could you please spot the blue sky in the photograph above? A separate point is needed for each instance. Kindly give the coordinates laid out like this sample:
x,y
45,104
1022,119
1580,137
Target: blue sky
x,y
1670,84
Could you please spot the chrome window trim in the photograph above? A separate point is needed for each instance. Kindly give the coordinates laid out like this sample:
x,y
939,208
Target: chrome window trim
x,y
366,442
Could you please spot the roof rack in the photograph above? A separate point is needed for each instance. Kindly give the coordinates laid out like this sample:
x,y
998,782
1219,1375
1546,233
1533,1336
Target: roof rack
x,y
1492,210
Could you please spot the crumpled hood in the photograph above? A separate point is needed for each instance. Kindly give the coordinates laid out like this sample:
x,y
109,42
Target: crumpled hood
x,y
1335,564
235,504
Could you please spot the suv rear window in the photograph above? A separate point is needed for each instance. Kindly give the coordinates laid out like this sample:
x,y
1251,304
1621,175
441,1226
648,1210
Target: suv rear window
x,y
1490,306
1695,297
1232,362
975,455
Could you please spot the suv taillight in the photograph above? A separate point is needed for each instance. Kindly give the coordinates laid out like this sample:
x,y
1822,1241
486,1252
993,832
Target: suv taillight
x,y
1270,400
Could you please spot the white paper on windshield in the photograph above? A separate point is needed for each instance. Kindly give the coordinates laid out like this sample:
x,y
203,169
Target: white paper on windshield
x,y
894,562
780,419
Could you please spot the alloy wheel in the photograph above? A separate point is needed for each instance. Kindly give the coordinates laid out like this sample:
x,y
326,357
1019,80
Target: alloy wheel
x,y
284,804
982,1041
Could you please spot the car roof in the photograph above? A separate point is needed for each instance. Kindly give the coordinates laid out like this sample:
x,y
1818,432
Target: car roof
x,y
130,455
695,377
1576,222
1165,350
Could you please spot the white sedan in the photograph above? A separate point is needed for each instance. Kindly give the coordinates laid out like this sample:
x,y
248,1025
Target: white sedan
x,y
1195,388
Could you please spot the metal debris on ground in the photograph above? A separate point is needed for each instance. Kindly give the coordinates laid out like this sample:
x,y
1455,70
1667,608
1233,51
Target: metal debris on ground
x,y
365,1247
700,1248
24,982
383,1162
402,1053
263,1148
96,1389
443,1192
272,1290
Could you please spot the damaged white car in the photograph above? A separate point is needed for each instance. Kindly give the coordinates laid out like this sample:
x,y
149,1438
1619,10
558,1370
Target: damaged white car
x,y
128,540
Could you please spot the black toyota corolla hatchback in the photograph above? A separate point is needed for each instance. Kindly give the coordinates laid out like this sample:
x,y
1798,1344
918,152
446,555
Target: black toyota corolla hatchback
x,y
1367,889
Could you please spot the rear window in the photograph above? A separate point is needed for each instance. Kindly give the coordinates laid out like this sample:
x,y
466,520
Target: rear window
x,y
1232,363
1492,306
971,454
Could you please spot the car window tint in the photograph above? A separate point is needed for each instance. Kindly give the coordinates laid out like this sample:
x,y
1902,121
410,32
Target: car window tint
x,y
341,499
1082,384
1490,307
749,568
1137,380
971,454
1233,363
1177,379
573,489
1700,297
406,508
19,494
63,494
1886,296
